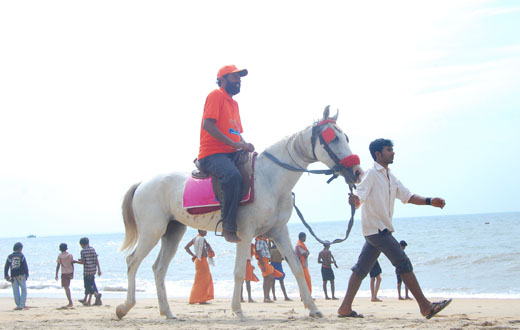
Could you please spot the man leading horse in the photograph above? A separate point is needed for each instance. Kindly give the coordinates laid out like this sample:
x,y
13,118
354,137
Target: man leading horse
x,y
220,140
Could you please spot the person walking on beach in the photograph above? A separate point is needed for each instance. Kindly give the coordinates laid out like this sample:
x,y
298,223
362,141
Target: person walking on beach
x,y
276,262
250,276
326,259
66,261
377,191
302,253
202,289
89,260
375,281
400,280
220,139
268,272
17,265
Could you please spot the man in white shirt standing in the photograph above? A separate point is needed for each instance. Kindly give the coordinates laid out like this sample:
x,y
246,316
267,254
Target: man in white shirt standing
x,y
378,191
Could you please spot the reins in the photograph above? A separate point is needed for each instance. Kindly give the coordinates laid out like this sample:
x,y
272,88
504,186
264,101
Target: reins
x,y
334,172
337,240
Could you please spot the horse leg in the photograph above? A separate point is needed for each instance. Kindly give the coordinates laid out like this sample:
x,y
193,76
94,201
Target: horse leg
x,y
243,249
169,244
133,261
283,242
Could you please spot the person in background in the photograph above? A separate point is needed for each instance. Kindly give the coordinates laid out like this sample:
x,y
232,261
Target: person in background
x,y
17,264
89,260
326,259
202,289
66,261
375,281
268,272
302,253
250,276
400,280
377,191
276,262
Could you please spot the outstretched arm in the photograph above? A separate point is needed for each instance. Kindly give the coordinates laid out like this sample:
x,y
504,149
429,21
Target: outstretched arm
x,y
435,201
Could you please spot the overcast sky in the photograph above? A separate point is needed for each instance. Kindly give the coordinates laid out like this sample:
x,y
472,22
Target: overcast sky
x,y
98,95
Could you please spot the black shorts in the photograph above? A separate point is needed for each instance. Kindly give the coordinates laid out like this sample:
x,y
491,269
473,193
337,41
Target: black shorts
x,y
90,284
327,274
376,270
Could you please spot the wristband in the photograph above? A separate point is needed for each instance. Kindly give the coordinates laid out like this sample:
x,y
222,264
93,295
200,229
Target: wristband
x,y
428,201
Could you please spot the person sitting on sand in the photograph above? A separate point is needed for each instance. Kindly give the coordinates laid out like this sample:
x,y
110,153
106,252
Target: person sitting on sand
x,y
202,289
378,190
326,259
375,281
66,261
89,260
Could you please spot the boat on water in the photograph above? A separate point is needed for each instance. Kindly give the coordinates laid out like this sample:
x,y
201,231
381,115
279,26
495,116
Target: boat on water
x,y
31,236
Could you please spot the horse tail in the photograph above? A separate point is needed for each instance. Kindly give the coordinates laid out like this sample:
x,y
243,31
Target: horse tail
x,y
131,233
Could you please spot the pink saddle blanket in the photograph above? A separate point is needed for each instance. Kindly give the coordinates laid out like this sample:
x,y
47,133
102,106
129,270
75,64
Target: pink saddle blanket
x,y
198,196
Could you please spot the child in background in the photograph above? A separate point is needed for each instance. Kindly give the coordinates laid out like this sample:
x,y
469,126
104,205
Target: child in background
x,y
19,273
66,261
90,262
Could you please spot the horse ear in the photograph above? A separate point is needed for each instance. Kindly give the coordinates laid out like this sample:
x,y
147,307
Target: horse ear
x,y
335,118
326,112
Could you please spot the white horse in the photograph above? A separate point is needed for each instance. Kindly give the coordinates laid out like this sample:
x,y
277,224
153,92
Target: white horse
x,y
153,210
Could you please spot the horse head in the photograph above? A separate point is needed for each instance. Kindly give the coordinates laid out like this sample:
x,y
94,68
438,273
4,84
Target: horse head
x,y
330,145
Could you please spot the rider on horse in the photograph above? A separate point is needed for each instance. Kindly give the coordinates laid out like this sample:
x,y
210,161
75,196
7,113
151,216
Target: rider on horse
x,y
220,140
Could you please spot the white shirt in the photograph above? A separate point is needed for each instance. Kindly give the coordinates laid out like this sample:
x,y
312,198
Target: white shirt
x,y
378,191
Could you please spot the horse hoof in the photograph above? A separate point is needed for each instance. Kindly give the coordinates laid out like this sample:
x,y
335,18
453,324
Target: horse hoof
x,y
240,315
120,311
170,316
316,314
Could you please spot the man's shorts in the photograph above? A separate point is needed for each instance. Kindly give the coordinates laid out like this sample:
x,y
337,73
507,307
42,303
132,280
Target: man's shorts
x,y
374,245
327,274
399,279
65,279
376,270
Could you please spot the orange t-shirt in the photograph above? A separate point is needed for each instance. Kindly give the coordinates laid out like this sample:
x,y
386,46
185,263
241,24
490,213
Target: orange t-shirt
x,y
221,107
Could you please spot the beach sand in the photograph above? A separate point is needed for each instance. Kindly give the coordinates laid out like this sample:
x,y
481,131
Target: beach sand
x,y
45,313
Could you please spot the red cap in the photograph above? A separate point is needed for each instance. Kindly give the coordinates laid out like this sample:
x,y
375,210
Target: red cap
x,y
230,69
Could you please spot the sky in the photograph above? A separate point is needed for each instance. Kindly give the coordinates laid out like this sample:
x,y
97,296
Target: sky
x,y
96,96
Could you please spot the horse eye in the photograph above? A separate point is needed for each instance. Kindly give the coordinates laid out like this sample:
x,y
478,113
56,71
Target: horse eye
x,y
346,138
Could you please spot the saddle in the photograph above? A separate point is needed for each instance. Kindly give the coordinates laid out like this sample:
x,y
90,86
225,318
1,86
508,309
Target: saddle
x,y
203,193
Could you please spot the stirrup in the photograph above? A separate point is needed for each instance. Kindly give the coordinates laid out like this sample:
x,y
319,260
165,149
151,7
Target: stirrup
x,y
216,233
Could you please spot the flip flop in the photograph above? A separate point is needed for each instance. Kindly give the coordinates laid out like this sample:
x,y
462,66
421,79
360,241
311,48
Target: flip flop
x,y
436,307
352,314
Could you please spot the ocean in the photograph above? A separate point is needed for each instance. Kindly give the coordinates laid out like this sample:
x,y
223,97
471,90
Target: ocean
x,y
457,256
